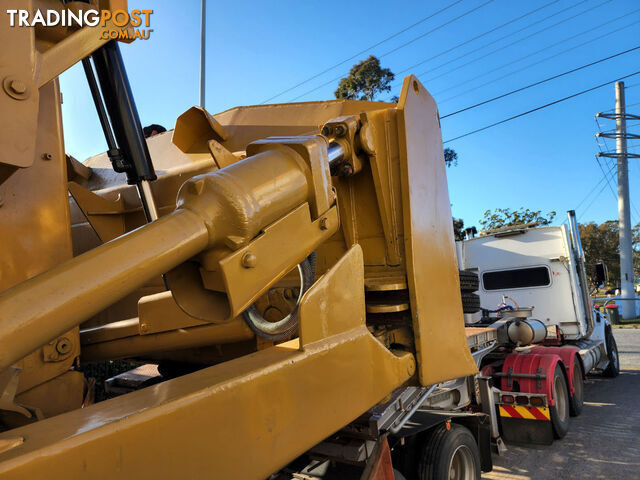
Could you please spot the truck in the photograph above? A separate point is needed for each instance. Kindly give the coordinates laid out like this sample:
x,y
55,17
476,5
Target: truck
x,y
534,334
254,280
268,289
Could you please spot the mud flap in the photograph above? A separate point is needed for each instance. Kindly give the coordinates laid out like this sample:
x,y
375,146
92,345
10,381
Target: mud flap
x,y
520,430
379,465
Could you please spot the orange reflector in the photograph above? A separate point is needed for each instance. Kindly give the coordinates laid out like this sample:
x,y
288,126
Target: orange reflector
x,y
522,400
537,401
448,424
507,398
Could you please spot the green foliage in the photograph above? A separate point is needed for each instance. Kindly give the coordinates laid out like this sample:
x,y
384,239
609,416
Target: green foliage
x,y
450,157
601,245
505,217
458,228
366,79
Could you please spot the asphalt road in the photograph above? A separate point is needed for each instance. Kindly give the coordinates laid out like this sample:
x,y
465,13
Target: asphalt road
x,y
602,443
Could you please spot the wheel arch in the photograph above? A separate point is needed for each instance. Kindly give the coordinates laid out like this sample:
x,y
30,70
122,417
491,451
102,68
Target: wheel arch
x,y
542,364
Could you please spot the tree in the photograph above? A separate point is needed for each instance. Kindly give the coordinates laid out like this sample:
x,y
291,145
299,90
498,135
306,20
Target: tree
x,y
450,157
458,228
600,245
366,79
505,217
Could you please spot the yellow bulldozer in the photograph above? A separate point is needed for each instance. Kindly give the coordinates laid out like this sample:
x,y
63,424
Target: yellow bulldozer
x,y
285,269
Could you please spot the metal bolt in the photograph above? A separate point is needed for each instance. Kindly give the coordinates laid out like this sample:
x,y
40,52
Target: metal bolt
x,y
324,223
326,130
144,327
63,345
346,170
249,260
340,130
18,87
47,156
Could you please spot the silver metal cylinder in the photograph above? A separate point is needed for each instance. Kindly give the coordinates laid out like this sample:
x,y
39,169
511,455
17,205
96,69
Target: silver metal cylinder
x,y
148,204
336,153
526,331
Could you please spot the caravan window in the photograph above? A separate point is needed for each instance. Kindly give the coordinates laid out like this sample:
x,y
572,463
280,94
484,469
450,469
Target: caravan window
x,y
516,278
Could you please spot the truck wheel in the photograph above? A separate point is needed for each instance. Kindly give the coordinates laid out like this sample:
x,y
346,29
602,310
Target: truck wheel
x,y
613,370
577,399
469,281
560,411
470,302
450,452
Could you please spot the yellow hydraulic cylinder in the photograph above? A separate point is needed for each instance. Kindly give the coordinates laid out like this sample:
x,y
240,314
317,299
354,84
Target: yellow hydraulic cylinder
x,y
35,311
229,206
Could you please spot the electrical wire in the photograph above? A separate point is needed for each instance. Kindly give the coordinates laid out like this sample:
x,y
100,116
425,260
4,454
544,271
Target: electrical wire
x,y
413,40
606,176
531,85
592,190
422,20
529,55
513,117
493,42
399,47
494,29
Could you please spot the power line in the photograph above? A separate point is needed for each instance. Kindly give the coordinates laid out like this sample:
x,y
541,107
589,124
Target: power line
x,y
540,107
529,55
513,20
592,190
395,49
500,49
422,20
526,67
539,83
606,177
401,46
608,181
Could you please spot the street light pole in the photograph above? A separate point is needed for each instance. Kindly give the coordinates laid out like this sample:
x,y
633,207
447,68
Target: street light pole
x,y
203,36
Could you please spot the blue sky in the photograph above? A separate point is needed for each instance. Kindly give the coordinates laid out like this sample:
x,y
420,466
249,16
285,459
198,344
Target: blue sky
x,y
544,161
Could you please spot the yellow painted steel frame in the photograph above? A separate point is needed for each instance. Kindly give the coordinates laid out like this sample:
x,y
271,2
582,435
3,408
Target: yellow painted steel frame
x,y
432,268
245,418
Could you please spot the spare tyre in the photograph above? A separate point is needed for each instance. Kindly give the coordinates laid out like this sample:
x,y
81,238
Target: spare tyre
x,y
469,281
470,302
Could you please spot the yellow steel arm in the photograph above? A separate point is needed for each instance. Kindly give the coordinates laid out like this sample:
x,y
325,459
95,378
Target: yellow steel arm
x,y
242,419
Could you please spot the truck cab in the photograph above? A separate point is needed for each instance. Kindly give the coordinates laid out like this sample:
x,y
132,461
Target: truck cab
x,y
531,267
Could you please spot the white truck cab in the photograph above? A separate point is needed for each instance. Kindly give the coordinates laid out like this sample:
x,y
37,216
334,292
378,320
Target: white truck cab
x,y
540,267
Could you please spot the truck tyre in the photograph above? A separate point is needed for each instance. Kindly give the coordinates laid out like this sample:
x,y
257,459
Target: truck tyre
x,y
577,399
469,281
613,370
450,452
470,302
560,411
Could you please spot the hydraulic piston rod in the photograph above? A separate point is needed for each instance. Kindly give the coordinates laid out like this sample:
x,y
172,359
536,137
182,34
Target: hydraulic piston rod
x,y
35,311
236,202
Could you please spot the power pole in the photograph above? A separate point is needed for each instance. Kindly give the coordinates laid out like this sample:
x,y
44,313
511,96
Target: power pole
x,y
203,37
624,206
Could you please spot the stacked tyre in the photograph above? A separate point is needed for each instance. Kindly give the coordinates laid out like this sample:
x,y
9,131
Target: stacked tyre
x,y
469,284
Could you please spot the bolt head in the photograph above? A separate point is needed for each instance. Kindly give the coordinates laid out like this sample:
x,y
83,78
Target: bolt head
x,y
18,87
63,345
324,223
249,260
